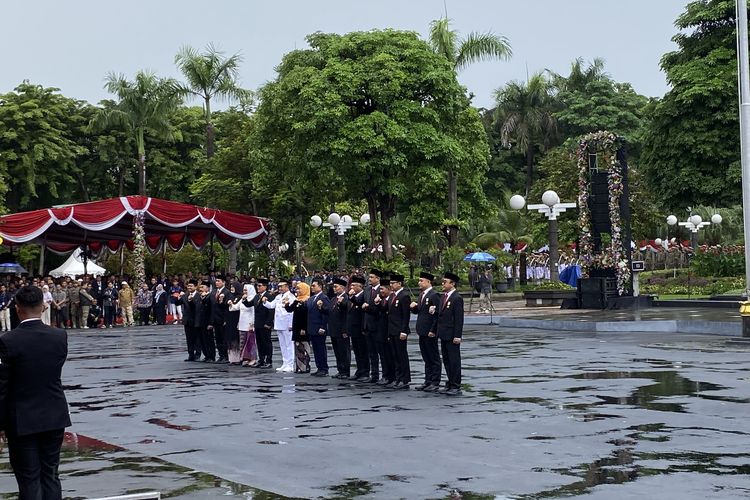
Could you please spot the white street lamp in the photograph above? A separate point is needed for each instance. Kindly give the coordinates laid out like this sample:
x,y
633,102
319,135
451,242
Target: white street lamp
x,y
340,224
283,247
517,202
716,219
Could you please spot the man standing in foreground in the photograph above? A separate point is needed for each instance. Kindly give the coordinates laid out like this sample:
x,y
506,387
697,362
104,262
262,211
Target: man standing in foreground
x,y
450,328
33,408
427,316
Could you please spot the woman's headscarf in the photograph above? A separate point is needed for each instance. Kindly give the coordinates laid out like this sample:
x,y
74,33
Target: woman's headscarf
x,y
303,291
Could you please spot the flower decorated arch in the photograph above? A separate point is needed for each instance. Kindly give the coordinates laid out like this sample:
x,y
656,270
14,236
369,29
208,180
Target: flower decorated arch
x,y
612,254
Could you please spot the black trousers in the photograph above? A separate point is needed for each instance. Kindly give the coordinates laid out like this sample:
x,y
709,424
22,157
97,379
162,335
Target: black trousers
x,y
400,359
192,341
144,312
35,459
208,345
343,352
386,358
220,339
373,354
452,361
428,347
361,356
320,352
265,346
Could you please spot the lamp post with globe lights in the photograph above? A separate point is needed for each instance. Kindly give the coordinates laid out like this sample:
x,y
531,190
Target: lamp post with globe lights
x,y
340,224
551,208
694,224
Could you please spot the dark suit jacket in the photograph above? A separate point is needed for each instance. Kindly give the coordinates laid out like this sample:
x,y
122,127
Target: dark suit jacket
x,y
317,318
398,313
263,315
337,318
299,320
31,392
219,309
370,321
451,318
427,322
355,317
188,309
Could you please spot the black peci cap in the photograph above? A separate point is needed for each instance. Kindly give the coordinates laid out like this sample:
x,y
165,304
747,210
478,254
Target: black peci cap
x,y
427,276
339,281
358,279
454,278
397,277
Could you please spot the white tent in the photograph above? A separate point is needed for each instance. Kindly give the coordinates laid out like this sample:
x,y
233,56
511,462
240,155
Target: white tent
x,y
74,267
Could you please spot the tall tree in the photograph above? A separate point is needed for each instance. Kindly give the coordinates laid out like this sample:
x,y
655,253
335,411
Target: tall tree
x,y
38,148
367,116
461,53
525,114
144,105
209,75
692,152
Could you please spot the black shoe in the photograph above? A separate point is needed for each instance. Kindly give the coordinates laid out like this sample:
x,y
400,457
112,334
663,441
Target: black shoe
x,y
372,380
390,384
364,378
453,392
344,376
400,386
190,359
431,388
444,390
208,360
382,381
354,377
222,360
320,374
421,387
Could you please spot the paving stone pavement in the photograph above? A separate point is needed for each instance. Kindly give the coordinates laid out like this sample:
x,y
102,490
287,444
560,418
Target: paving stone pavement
x,y
543,415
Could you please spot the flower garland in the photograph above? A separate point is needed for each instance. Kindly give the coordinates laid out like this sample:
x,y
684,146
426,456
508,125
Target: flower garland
x,y
611,257
139,250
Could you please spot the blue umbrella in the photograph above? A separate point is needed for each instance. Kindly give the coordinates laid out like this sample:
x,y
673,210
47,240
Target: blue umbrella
x,y
12,268
479,257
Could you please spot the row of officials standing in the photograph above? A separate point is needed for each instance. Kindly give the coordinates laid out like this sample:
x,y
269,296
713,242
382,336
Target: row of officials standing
x,y
369,316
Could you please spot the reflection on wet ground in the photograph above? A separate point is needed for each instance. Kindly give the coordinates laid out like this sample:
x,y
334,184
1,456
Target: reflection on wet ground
x,y
544,415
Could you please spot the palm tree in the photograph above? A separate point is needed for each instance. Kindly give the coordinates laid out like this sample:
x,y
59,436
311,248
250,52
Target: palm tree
x,y
461,53
144,104
209,74
525,114
512,228
579,76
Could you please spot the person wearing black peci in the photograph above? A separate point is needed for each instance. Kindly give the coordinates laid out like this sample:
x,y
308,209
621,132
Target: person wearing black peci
x,y
219,300
450,330
370,324
33,408
318,310
263,324
377,314
354,322
192,332
337,329
427,316
398,330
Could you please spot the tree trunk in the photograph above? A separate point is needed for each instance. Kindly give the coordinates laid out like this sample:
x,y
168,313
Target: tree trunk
x,y
142,174
452,207
121,180
387,210
529,169
232,257
209,130
372,209
82,187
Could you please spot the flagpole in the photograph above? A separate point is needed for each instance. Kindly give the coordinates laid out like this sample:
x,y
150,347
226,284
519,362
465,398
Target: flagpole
x,y
744,94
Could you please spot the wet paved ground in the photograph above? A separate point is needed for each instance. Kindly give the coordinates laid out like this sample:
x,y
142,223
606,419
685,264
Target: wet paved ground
x,y
544,415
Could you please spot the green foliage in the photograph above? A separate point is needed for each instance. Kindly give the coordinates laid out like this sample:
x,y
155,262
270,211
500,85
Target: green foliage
x,y
719,261
374,116
691,150
551,285
665,284
452,259
475,47
37,140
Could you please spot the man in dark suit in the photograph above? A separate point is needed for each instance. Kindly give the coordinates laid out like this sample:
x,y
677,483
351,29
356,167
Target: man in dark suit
x,y
427,316
450,330
318,310
398,330
33,407
378,315
263,324
219,299
370,323
186,300
354,321
202,301
337,329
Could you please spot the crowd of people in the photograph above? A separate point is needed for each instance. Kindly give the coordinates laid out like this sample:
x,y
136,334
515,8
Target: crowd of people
x,y
228,321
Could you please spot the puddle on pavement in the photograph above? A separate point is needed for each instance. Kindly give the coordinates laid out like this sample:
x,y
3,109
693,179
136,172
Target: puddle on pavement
x,y
167,425
352,488
93,468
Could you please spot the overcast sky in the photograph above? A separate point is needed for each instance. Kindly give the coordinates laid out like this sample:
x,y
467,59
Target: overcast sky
x,y
72,45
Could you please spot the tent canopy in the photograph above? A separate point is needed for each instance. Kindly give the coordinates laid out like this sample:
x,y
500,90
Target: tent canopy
x,y
74,267
109,224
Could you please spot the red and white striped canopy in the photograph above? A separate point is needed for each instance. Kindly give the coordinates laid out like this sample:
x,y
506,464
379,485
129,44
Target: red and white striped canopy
x,y
109,224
